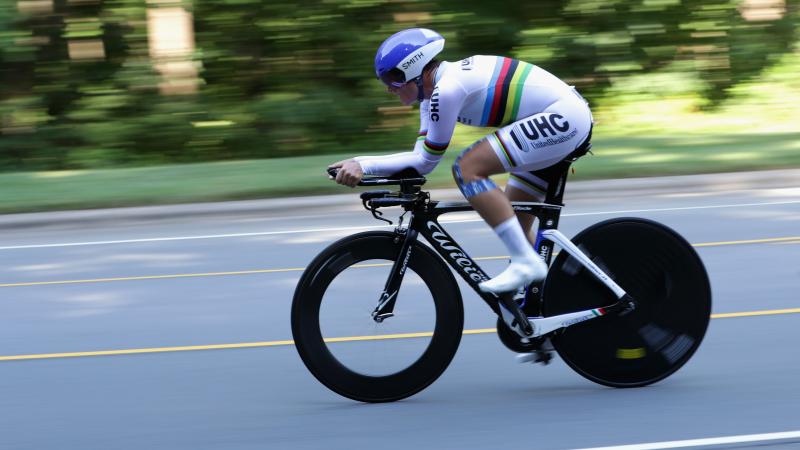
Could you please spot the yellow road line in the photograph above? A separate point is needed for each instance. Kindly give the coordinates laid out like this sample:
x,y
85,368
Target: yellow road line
x,y
153,277
300,269
379,337
480,331
770,312
135,351
749,241
338,339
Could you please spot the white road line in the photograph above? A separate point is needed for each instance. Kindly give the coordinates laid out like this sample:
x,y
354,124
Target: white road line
x,y
186,238
705,442
367,227
684,208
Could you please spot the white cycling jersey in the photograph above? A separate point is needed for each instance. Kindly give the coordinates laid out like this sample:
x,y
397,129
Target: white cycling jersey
x,y
494,91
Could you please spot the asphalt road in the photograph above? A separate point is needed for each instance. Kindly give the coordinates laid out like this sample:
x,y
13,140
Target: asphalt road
x,y
190,315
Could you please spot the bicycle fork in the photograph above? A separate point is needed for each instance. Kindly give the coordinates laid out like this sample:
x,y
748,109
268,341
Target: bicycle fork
x,y
385,308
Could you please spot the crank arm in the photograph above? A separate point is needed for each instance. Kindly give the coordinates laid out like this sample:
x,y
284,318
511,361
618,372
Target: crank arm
x,y
513,316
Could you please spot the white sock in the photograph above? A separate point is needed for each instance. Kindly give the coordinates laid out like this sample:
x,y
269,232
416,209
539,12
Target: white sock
x,y
510,232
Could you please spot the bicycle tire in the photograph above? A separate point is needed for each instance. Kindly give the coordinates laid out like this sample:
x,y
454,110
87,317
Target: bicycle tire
x,y
666,277
321,362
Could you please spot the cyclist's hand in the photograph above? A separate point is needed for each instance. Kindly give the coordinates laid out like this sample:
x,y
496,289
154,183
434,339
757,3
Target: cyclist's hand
x,y
350,172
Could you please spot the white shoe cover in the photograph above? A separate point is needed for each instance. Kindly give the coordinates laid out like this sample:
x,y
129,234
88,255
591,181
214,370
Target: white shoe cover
x,y
516,275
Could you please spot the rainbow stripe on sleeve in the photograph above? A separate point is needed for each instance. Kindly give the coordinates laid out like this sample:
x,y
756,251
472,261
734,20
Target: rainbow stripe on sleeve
x,y
431,147
434,148
505,92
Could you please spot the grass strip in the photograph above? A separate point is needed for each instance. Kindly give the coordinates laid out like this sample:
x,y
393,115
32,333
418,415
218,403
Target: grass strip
x,y
614,157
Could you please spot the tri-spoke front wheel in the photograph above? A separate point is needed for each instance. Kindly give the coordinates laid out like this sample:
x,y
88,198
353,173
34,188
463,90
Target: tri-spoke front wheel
x,y
352,354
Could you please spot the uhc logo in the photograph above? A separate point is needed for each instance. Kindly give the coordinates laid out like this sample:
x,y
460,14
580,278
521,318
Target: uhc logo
x,y
537,126
435,105
541,126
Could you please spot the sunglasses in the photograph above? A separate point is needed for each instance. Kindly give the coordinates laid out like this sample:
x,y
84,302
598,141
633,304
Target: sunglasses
x,y
395,78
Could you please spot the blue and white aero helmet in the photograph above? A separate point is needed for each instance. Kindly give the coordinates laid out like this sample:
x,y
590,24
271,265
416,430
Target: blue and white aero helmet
x,y
404,54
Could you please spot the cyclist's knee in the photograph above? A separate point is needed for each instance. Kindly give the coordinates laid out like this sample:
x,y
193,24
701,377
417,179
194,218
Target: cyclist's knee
x,y
468,165
469,176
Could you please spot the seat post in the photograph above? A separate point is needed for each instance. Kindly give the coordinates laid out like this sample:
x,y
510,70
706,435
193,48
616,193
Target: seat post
x,y
556,183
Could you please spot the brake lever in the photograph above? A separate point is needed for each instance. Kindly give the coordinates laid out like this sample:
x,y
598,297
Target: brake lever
x,y
377,214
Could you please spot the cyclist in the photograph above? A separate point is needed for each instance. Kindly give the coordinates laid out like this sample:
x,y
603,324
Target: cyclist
x,y
541,120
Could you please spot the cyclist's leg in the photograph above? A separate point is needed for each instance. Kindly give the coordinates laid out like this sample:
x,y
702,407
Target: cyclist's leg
x,y
471,171
525,220
530,144
526,187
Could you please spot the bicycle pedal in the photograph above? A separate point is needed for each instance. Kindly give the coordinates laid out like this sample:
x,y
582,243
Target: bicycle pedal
x,y
523,358
543,357
539,356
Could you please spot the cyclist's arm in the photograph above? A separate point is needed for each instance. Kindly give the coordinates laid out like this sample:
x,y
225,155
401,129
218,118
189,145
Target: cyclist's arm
x,y
417,159
437,123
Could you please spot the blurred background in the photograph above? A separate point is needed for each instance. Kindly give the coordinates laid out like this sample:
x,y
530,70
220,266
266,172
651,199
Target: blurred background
x,y
108,103
116,102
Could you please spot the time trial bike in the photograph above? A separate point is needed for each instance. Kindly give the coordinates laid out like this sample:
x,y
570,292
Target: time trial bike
x,y
625,303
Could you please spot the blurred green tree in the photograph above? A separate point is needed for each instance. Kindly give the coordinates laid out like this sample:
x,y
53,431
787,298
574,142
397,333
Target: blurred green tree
x,y
79,85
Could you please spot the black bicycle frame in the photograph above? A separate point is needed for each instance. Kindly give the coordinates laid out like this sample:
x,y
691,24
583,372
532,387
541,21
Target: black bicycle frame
x,y
424,221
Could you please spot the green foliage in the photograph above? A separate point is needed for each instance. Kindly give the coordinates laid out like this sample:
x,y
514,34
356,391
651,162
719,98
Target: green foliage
x,y
614,157
279,78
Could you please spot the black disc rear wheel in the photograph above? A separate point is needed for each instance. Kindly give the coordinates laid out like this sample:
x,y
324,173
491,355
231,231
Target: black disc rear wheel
x,y
351,354
666,277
